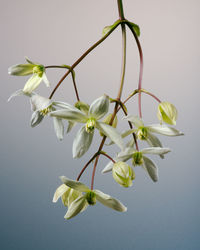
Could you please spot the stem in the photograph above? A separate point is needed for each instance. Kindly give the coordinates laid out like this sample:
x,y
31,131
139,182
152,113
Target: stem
x,y
152,95
108,156
141,68
121,16
83,56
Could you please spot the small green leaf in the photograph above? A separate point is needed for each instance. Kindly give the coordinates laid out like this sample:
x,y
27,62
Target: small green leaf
x,y
136,28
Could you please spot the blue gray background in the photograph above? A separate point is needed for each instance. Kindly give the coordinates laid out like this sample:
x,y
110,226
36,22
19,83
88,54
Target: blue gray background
x,y
160,216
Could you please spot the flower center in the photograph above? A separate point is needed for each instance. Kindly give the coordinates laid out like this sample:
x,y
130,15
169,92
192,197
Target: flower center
x,y
45,111
90,125
39,70
137,158
91,198
142,133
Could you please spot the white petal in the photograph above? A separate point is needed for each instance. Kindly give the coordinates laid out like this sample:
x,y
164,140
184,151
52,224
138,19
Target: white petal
x,y
153,141
108,167
111,133
29,61
59,192
164,130
32,83
151,168
21,69
81,142
46,81
36,118
70,126
155,150
76,207
127,153
64,105
59,127
130,143
39,102
137,122
74,184
19,92
72,115
109,201
99,107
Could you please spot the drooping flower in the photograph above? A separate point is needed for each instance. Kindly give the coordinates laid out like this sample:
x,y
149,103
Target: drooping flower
x,y
83,200
41,107
84,137
139,159
167,113
123,174
36,70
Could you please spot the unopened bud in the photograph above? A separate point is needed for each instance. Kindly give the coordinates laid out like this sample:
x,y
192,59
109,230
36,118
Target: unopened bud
x,y
167,113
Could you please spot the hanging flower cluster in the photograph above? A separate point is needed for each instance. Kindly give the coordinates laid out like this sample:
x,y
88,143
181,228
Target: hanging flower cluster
x,y
74,194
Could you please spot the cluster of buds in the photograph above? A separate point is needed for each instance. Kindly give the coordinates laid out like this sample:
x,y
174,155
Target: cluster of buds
x,y
74,194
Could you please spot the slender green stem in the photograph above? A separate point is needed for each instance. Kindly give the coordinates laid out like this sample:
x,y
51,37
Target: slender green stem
x,y
83,56
120,9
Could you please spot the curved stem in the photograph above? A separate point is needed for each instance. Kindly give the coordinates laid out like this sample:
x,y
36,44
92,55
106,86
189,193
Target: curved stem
x,y
108,156
141,67
83,56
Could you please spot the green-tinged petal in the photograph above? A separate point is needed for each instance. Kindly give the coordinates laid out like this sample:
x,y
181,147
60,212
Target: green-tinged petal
x,y
136,28
59,127
32,83
36,118
39,102
109,201
128,132
29,61
126,154
70,126
64,105
84,107
137,122
167,113
130,143
76,207
73,115
164,130
75,184
111,133
59,192
21,69
45,80
153,141
108,167
19,92
151,168
99,107
67,199
155,150
81,142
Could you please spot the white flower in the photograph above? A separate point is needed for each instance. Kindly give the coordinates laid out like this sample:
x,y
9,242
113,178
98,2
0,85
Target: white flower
x,y
139,159
84,136
36,69
89,198
41,106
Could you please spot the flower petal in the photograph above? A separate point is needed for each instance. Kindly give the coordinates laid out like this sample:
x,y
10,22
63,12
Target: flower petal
x,y
21,69
109,201
111,132
39,102
99,107
70,114
155,150
36,118
151,168
19,92
59,127
137,122
81,142
70,126
153,141
164,130
32,83
45,80
76,207
60,191
75,184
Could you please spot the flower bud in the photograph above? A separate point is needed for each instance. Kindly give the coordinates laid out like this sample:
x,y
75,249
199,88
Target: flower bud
x,y
137,158
167,113
142,133
82,106
123,174
91,198
107,121
90,125
69,196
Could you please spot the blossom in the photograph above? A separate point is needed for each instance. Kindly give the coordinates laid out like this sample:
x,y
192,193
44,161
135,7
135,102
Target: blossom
x,y
83,138
123,174
167,113
83,200
41,107
139,159
37,71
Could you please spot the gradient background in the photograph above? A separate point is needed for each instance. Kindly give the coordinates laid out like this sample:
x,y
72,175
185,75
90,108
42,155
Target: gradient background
x,y
160,216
